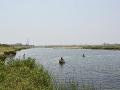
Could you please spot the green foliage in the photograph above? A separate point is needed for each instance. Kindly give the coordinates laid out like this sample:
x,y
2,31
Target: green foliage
x,y
24,75
2,57
4,45
10,52
104,47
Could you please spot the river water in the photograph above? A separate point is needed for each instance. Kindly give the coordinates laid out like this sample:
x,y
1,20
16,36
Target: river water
x,y
100,68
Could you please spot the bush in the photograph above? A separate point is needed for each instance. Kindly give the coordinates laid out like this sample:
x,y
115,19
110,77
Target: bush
x,y
10,52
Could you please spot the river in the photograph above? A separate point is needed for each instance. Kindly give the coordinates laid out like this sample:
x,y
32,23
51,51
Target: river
x,y
100,68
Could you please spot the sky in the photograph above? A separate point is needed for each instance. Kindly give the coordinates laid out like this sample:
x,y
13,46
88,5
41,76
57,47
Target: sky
x,y
54,22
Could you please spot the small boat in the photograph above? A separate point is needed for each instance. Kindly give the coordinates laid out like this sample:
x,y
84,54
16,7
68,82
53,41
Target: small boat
x,y
61,61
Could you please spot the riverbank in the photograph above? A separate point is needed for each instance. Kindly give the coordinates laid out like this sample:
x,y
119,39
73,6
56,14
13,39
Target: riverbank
x,y
23,75
102,47
8,50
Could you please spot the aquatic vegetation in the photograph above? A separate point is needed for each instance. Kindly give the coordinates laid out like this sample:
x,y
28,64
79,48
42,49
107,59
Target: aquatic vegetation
x,y
73,86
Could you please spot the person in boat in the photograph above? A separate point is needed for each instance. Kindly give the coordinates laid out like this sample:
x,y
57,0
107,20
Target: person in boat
x,y
83,55
61,60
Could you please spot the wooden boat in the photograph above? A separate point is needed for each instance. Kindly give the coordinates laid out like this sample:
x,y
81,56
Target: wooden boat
x,y
61,61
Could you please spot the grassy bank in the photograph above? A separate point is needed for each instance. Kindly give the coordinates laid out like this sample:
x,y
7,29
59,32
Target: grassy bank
x,y
6,50
103,47
23,75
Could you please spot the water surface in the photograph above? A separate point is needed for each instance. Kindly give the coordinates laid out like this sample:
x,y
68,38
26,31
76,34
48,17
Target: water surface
x,y
99,67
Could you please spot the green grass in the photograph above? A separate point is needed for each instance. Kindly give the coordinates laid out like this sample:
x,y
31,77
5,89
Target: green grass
x,y
104,47
24,75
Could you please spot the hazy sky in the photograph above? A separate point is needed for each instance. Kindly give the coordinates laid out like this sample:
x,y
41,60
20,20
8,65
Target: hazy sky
x,y
60,21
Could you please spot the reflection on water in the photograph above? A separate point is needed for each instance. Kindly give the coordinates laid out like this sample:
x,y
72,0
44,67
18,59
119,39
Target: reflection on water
x,y
98,67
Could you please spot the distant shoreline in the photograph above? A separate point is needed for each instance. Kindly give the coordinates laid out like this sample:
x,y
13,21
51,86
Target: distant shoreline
x,y
95,47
